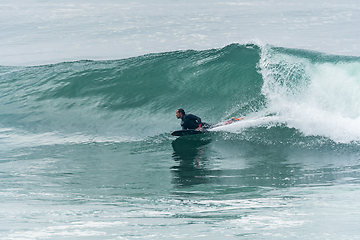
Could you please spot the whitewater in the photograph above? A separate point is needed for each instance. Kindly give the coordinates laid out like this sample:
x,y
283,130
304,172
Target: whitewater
x,y
88,94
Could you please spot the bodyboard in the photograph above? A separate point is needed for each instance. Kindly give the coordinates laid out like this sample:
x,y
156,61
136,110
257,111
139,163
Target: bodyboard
x,y
186,132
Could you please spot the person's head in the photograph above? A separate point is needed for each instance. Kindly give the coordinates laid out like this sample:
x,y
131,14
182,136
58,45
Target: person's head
x,y
180,113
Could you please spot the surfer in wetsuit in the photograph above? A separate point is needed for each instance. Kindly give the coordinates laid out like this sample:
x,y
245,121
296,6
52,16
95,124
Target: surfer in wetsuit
x,y
190,121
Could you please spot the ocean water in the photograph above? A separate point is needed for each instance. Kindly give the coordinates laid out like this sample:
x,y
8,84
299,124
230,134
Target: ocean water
x,y
88,94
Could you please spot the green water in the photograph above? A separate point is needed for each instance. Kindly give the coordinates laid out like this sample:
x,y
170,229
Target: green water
x,y
86,151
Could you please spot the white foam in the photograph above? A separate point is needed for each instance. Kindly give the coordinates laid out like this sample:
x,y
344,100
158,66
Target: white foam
x,y
319,99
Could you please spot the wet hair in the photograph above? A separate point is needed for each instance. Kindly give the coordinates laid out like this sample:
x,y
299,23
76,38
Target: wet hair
x,y
180,110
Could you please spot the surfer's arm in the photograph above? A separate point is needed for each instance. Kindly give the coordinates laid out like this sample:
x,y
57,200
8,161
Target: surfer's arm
x,y
191,116
197,119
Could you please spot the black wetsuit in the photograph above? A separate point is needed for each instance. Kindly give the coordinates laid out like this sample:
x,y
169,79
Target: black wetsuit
x,y
190,121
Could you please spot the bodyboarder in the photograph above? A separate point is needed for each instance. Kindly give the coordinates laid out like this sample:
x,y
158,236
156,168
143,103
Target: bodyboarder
x,y
190,121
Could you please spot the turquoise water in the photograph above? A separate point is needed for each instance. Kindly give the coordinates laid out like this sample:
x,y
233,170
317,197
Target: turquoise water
x,y
86,150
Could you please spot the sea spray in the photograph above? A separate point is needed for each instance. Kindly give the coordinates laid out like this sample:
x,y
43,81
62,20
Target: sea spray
x,y
317,94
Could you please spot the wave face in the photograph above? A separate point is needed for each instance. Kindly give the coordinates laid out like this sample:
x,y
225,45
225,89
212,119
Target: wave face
x,y
293,93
